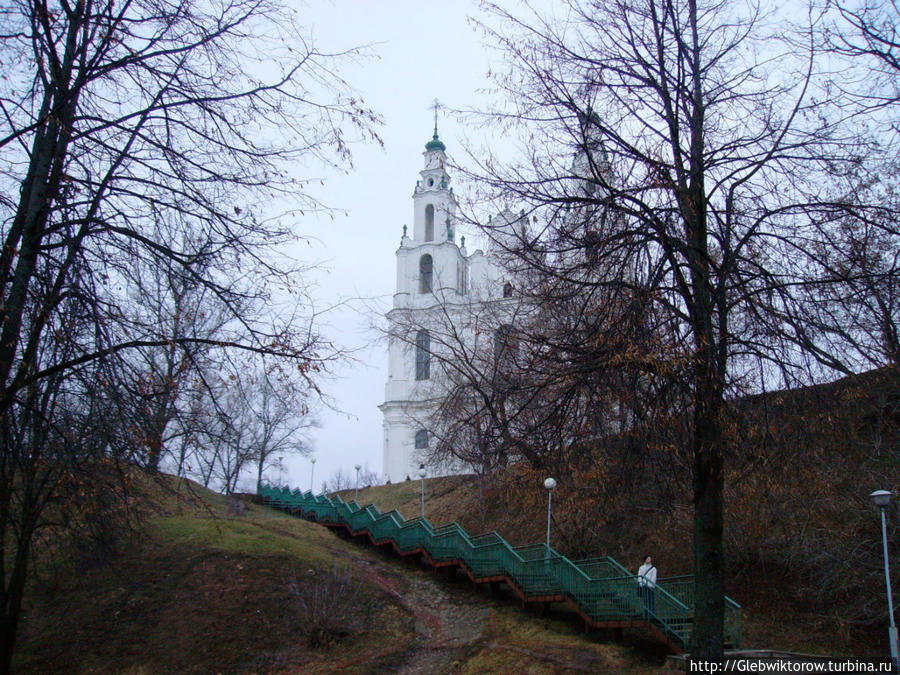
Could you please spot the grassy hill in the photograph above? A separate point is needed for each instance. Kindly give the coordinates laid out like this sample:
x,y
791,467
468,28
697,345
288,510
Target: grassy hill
x,y
211,584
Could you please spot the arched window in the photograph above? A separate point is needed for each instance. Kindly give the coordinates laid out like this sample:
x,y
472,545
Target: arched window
x,y
421,439
506,346
591,247
426,272
429,222
507,290
423,355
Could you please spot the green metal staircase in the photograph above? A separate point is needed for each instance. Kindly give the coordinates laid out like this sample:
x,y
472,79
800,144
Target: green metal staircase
x,y
600,590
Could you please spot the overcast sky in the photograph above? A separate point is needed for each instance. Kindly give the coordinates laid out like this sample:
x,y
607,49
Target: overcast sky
x,y
420,51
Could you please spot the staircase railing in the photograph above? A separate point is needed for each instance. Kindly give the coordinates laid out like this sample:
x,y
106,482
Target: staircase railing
x,y
601,589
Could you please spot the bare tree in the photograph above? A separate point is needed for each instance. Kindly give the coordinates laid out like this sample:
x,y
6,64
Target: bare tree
x,y
163,381
223,449
64,441
277,416
851,317
867,32
532,375
341,479
251,411
692,186
134,133
368,477
346,479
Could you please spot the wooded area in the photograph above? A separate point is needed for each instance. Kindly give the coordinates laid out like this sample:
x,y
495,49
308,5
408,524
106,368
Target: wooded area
x,y
139,259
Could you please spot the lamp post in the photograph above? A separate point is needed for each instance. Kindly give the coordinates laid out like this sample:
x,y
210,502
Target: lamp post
x,y
281,471
549,484
882,498
356,492
422,474
312,470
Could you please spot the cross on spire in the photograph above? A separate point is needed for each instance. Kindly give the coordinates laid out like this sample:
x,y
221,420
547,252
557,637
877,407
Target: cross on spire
x,y
435,142
435,105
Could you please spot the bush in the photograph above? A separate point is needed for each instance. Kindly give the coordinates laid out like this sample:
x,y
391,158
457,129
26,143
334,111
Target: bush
x,y
329,605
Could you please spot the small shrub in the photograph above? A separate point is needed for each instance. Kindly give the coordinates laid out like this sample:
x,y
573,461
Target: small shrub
x,y
328,605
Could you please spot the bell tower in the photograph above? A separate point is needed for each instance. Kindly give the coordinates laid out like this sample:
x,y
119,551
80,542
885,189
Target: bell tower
x,y
432,271
434,207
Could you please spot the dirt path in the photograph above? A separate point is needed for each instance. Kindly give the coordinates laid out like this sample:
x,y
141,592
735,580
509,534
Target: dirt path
x,y
448,619
451,626
446,624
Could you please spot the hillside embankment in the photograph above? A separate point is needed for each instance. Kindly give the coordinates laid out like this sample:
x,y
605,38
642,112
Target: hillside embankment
x,y
210,584
207,584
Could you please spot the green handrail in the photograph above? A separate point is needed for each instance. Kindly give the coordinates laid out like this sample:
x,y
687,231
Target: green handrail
x,y
602,589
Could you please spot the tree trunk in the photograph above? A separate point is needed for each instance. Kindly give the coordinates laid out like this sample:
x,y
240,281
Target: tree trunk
x,y
709,592
39,189
12,603
154,451
259,471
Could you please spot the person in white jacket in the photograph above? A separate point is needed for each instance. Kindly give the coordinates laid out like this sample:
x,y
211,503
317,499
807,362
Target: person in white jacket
x,y
646,577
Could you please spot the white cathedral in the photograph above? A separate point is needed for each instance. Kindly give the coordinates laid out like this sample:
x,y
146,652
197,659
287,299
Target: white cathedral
x,y
434,273
452,310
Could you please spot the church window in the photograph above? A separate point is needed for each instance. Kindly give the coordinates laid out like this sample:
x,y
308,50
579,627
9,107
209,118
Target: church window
x,y
461,277
426,273
423,355
421,439
506,346
507,290
591,247
429,222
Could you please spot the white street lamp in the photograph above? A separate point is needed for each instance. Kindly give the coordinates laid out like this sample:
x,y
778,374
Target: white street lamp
x,y
882,498
422,474
312,469
356,493
549,484
281,471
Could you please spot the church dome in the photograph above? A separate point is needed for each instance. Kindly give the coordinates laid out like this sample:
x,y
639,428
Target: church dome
x,y
435,143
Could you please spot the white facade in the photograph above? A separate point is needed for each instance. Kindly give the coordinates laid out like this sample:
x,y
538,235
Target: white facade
x,y
453,312
434,274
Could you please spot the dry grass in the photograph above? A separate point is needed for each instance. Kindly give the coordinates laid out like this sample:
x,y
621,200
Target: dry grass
x,y
525,644
204,591
209,590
